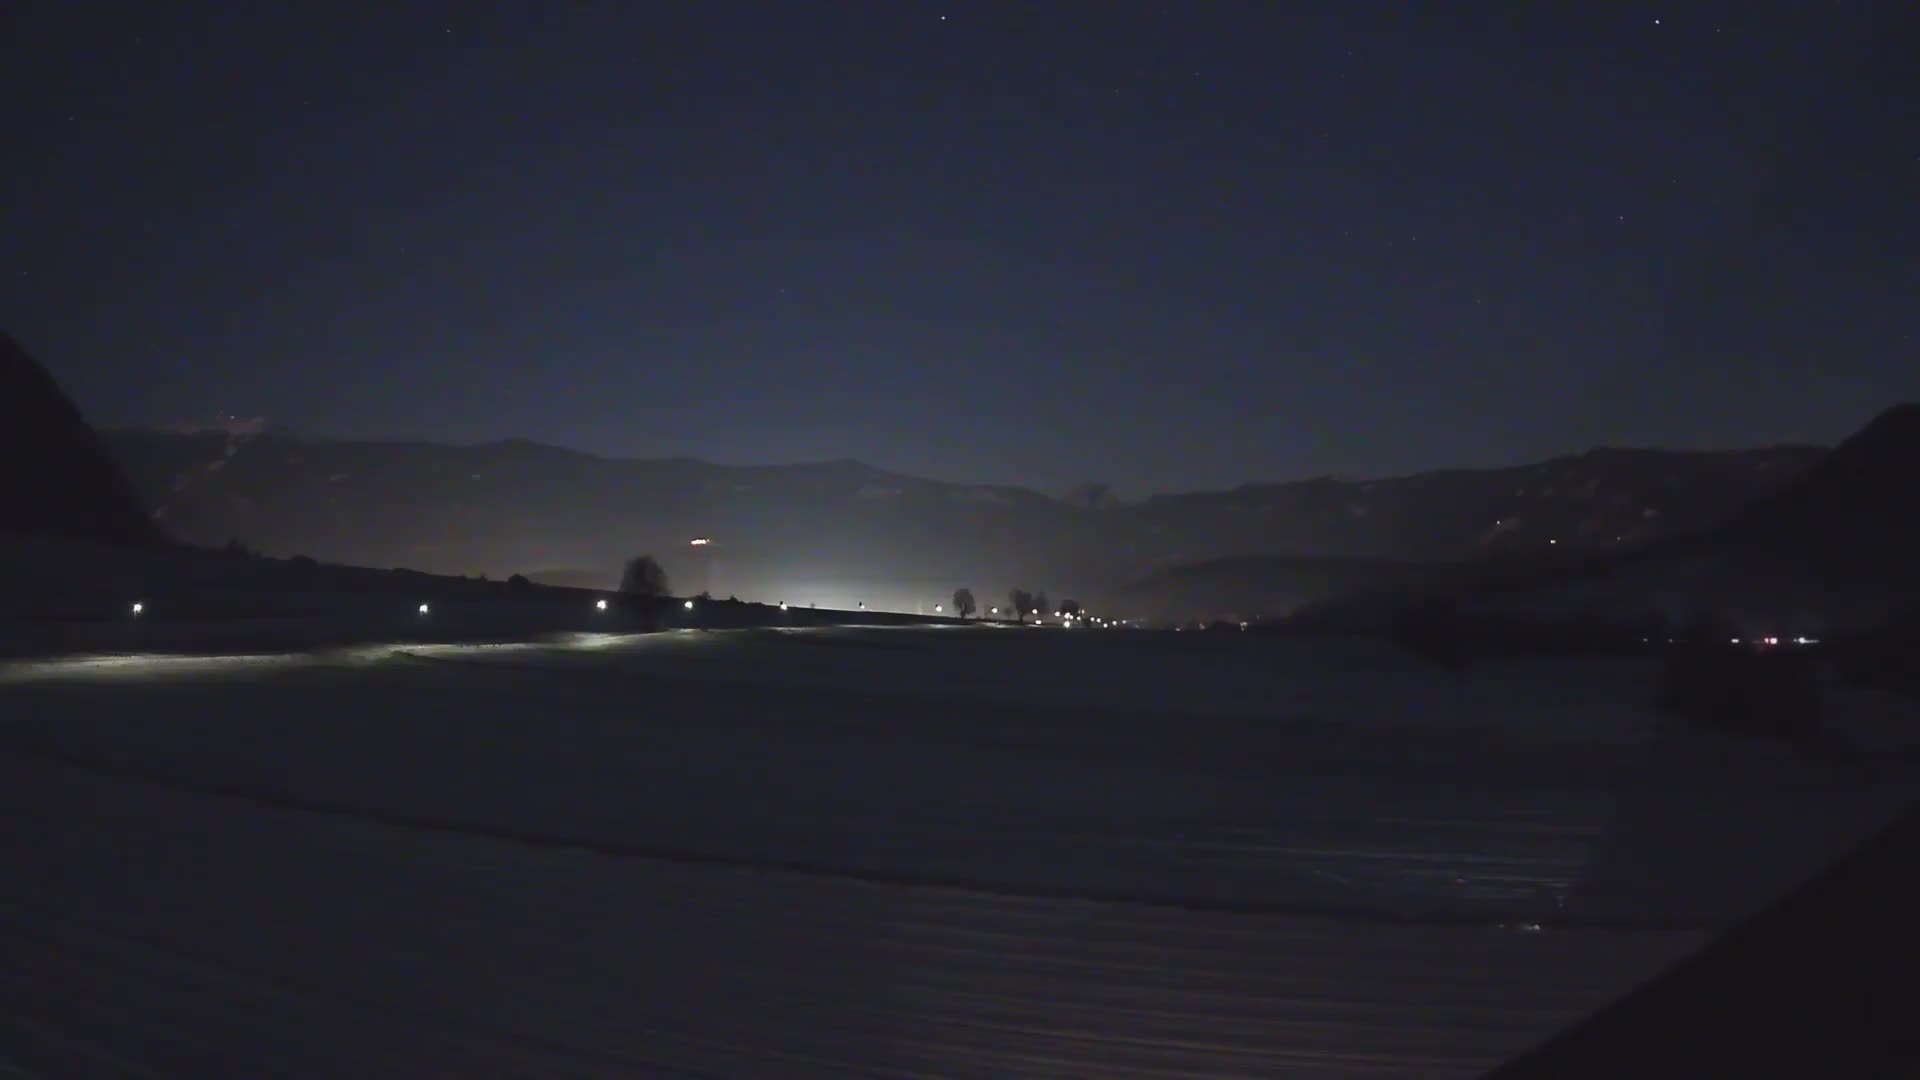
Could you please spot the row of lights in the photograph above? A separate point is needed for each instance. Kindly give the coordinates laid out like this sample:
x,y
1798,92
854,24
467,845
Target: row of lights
x,y
139,607
1097,620
1767,641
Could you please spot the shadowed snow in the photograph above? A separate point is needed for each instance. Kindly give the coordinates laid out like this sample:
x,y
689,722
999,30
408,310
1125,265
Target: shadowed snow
x,y
899,850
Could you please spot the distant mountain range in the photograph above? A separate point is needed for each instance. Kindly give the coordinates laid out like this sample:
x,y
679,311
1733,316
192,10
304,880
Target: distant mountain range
x,y
1781,534
842,531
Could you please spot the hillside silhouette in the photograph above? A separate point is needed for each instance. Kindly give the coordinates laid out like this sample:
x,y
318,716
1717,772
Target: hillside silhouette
x,y
56,479
1854,510
1836,546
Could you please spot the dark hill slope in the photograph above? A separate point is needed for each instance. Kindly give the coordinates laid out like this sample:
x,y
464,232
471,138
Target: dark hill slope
x,y
1838,546
55,476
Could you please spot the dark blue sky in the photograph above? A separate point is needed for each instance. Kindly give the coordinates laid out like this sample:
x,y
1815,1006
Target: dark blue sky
x,y
1165,245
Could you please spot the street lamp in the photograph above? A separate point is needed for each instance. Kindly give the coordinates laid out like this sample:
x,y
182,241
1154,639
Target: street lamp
x,y
138,607
937,609
689,605
600,605
423,609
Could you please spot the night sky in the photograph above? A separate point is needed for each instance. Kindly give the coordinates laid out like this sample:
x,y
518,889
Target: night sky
x,y
1166,245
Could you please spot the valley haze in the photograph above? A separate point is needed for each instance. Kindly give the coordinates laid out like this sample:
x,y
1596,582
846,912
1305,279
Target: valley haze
x,y
838,533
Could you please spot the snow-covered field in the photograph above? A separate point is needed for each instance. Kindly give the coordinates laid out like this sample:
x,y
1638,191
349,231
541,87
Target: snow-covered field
x,y
861,851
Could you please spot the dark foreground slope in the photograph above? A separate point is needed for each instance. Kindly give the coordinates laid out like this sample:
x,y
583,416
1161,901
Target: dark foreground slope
x,y
56,479
1818,985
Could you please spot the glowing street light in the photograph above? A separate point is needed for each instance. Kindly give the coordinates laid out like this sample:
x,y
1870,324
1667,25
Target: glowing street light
x,y
689,605
937,609
863,605
699,541
138,607
423,609
600,605
783,605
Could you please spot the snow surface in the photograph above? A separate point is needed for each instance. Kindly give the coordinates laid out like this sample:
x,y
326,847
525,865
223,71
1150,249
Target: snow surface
x,y
905,851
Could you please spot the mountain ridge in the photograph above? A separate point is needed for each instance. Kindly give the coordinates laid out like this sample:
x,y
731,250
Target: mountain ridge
x,y
513,442
1834,548
844,531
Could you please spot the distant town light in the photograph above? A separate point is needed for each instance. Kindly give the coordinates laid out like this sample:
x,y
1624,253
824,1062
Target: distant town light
x,y
1553,541
1736,641
600,605
138,607
423,609
689,605
700,541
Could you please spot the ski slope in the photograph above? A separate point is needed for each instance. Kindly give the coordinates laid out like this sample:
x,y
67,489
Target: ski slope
x,y
863,852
